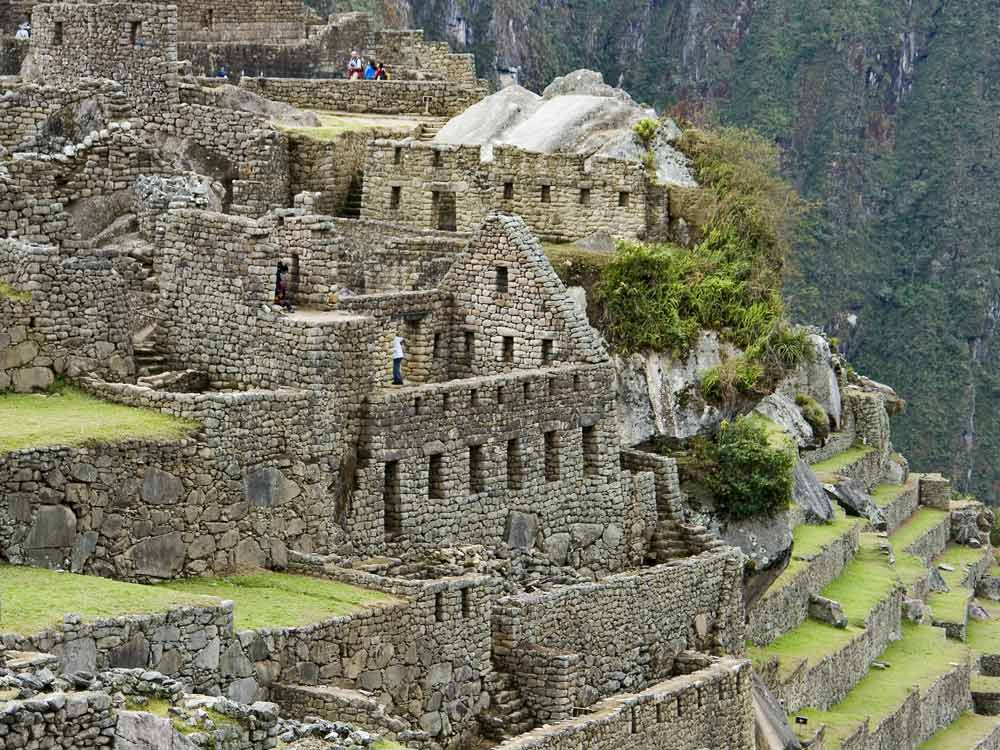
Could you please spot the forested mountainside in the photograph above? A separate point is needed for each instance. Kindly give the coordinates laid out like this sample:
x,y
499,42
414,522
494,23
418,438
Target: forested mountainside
x,y
889,113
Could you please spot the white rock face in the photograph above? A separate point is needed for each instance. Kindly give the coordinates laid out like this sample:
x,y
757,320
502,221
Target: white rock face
x,y
782,410
658,395
817,380
577,114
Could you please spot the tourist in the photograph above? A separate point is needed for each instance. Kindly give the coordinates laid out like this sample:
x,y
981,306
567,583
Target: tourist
x,y
281,287
222,72
355,67
23,31
370,71
381,73
397,360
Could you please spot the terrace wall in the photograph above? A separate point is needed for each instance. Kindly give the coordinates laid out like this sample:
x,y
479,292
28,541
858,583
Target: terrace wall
x,y
81,721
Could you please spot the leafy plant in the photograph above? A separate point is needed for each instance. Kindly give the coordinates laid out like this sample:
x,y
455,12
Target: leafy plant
x,y
815,415
645,129
747,474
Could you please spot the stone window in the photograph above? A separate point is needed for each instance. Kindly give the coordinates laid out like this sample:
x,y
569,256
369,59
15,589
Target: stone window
x,y
438,159
466,603
477,469
508,191
445,210
515,465
659,713
527,391
439,606
591,450
435,476
57,34
436,348
635,721
391,500
501,395
546,194
470,343
418,405
397,155
446,401
474,397
584,196
508,349
548,351
207,19
680,707
623,199
552,456
503,279
395,197
134,32
576,382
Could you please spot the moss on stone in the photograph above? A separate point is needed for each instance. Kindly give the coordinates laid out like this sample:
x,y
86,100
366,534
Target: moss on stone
x,y
919,524
15,295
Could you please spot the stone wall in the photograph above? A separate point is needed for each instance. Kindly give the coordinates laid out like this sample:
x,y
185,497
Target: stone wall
x,y
563,196
231,20
393,97
133,43
933,542
79,721
65,314
628,628
336,704
184,643
786,605
327,167
710,708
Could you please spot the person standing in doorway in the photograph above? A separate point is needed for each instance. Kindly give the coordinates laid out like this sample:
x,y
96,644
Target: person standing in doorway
x,y
397,360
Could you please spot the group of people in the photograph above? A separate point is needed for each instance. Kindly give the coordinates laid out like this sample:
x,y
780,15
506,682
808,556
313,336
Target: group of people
x,y
357,70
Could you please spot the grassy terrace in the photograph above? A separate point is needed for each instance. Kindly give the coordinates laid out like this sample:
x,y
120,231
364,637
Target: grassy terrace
x,y
917,526
918,660
809,540
828,470
886,494
983,637
964,733
35,600
281,600
951,606
68,417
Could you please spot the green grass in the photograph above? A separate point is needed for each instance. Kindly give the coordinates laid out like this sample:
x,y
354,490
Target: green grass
x,y
983,637
965,732
828,470
161,707
808,540
916,526
951,606
34,600
920,658
886,494
776,436
281,600
70,417
15,295
982,683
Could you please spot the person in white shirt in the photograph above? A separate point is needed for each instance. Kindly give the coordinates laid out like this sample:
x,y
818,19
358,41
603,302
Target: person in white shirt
x,y
356,66
397,360
23,31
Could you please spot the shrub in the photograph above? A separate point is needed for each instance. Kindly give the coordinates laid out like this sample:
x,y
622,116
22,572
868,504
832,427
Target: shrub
x,y
735,377
746,473
645,129
815,415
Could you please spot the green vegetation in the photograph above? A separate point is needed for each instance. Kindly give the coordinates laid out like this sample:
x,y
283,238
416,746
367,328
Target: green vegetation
x,y
886,494
68,417
161,707
965,732
576,266
645,129
808,540
26,612
281,600
828,470
983,637
815,415
12,294
951,606
746,472
917,526
920,658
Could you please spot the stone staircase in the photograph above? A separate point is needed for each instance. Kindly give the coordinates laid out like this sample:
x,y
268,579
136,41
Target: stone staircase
x,y
355,198
508,715
429,130
149,359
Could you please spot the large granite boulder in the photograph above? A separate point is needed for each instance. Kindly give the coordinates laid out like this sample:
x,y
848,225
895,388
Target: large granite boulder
x,y
770,720
809,496
817,379
783,412
852,496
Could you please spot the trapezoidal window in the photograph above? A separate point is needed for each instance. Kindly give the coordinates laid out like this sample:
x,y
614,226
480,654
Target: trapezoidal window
x,y
546,194
447,212
477,469
392,500
395,197
591,451
435,476
134,32
503,279
397,155
623,198
515,465
436,347
57,34
469,342
208,19
584,196
508,349
438,159
552,456
508,191
548,351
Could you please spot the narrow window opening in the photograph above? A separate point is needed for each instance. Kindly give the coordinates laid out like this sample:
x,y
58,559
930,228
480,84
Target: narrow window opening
x,y
446,401
623,199
501,395
134,29
548,347
503,279
57,34
436,347
477,469
680,710
207,20
392,500
438,159
584,196
515,465
546,194
418,404
659,713
466,603
395,197
475,397
590,451
435,477
576,382
552,456
470,343
439,606
701,699
508,191
635,722
527,391
508,349
397,155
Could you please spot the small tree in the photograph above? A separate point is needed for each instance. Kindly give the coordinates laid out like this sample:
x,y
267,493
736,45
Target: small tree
x,y
645,129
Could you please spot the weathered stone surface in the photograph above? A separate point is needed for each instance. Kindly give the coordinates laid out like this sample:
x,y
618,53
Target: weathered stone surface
x,y
852,496
522,529
770,720
784,413
159,557
809,496
827,610
268,488
160,487
817,379
54,527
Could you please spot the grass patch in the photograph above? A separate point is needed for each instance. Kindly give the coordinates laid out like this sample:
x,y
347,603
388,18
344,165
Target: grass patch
x,y
983,636
282,600
920,658
70,417
982,683
808,540
917,526
966,731
952,606
14,295
886,494
828,470
35,600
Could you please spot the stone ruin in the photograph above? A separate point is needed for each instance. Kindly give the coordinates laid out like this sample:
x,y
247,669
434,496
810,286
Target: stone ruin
x,y
550,585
